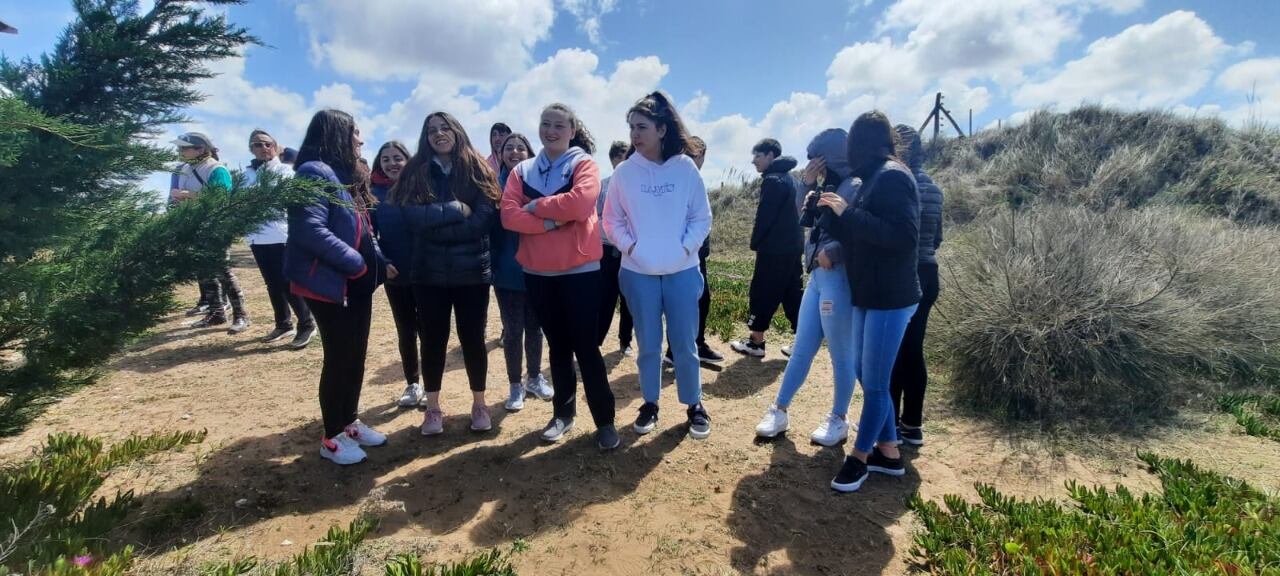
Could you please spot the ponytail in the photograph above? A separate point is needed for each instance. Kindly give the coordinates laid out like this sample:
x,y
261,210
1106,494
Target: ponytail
x,y
657,106
581,136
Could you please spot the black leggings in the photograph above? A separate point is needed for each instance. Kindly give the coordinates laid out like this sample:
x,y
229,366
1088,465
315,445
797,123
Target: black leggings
x,y
567,307
470,306
910,375
704,302
776,280
344,333
270,259
405,313
611,295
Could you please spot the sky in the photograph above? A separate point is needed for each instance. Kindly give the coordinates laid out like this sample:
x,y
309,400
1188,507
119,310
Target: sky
x,y
740,70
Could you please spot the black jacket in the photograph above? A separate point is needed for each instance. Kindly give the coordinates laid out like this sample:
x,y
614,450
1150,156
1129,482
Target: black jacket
x,y
880,232
450,238
777,227
930,218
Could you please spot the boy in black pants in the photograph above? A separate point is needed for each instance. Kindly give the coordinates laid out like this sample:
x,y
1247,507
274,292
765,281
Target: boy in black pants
x,y
697,151
778,243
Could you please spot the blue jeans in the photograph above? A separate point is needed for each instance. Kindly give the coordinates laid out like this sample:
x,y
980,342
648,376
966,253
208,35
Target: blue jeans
x,y
674,296
877,335
826,312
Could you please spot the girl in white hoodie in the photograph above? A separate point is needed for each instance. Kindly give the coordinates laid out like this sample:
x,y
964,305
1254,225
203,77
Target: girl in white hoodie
x,y
656,213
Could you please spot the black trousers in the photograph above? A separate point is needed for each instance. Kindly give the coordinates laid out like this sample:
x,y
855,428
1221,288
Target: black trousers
x,y
776,280
611,296
470,308
270,259
225,287
404,311
704,303
910,374
567,307
344,333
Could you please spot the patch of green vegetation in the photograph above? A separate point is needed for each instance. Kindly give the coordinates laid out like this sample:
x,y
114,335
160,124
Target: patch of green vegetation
x,y
1198,523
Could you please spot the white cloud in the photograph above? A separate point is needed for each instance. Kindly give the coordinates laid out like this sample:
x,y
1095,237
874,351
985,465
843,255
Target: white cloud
x,y
1257,81
570,76
1147,65
474,41
589,13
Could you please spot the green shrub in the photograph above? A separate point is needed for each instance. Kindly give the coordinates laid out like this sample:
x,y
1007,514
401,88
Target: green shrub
x,y
1258,414
730,282
1198,523
338,555
1059,312
53,522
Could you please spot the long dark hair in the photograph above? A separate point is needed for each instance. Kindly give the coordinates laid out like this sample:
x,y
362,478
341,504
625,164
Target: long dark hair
x,y
657,107
871,142
581,136
470,179
331,139
377,158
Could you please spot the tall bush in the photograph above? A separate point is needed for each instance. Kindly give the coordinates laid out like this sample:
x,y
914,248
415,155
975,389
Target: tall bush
x,y
1060,312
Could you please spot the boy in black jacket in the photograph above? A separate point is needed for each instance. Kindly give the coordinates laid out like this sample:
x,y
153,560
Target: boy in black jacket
x,y
778,243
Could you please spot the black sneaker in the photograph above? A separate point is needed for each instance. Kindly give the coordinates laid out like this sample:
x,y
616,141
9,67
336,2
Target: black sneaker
x,y
851,476
302,338
748,347
912,436
647,420
198,309
878,462
280,333
706,354
239,325
699,422
210,320
607,438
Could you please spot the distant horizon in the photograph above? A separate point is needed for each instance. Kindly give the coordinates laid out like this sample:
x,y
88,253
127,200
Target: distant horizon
x,y
738,72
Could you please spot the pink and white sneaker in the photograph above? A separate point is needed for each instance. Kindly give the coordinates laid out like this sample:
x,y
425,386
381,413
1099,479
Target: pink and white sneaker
x,y
480,421
342,450
364,435
433,423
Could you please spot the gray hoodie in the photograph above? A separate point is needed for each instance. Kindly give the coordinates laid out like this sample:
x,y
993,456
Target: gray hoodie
x,y
830,145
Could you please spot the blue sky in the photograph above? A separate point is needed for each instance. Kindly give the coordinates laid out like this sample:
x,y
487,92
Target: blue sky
x,y
740,70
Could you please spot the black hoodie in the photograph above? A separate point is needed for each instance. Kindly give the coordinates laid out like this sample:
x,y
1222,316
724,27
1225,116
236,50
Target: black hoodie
x,y
777,228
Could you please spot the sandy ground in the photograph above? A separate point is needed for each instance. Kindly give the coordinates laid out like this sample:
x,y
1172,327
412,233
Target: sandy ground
x,y
661,504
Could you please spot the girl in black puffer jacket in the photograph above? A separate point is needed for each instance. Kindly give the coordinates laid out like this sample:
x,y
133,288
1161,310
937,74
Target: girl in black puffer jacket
x,y
449,196
910,375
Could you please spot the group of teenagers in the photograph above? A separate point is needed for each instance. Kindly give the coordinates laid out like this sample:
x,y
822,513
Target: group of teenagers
x,y
561,248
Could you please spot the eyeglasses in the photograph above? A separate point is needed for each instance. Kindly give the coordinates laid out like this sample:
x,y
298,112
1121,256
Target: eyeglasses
x,y
261,144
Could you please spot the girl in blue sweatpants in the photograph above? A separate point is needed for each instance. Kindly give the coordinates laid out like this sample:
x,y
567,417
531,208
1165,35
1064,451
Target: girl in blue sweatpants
x,y
656,213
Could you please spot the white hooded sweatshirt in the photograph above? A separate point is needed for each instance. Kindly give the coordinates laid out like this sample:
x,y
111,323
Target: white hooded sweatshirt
x,y
657,215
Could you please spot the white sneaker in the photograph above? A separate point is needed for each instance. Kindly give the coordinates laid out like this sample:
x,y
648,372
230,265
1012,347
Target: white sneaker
x,y
411,397
515,402
775,422
342,450
364,435
786,351
832,431
628,352
539,387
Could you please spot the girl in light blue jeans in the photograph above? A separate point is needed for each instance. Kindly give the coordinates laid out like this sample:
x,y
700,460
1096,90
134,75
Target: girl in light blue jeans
x,y
826,310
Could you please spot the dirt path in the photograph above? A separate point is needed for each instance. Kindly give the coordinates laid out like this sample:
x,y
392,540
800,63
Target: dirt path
x,y
661,504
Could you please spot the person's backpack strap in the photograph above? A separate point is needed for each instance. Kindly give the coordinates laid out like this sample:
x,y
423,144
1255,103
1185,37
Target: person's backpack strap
x,y
196,173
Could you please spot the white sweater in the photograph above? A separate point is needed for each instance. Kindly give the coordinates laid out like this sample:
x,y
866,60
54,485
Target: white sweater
x,y
275,231
657,214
